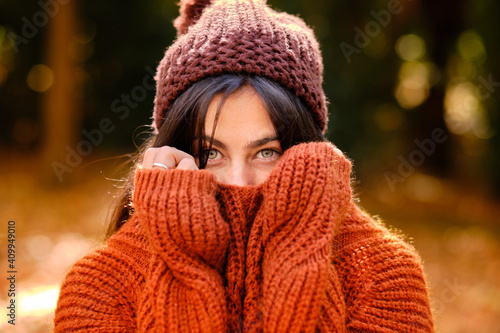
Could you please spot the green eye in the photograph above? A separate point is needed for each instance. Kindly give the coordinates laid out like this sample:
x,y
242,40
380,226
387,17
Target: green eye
x,y
211,154
267,153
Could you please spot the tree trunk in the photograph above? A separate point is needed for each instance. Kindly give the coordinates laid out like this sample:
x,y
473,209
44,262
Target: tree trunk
x,y
446,22
61,104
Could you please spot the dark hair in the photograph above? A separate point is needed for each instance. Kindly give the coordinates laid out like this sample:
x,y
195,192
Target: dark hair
x,y
184,124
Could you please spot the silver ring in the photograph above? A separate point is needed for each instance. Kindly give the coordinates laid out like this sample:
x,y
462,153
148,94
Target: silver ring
x,y
160,165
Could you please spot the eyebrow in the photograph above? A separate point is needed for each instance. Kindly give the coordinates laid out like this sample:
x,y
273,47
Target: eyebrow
x,y
248,146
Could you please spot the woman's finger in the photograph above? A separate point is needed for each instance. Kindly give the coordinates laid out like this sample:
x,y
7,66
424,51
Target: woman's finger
x,y
169,156
149,158
187,164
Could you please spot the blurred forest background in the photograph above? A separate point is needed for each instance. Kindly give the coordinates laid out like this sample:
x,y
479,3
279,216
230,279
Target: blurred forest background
x,y
414,91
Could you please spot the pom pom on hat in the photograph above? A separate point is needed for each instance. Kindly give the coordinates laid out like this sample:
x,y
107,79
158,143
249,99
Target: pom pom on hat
x,y
190,12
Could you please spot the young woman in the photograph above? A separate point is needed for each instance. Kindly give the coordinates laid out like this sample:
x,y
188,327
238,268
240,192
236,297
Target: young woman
x,y
239,215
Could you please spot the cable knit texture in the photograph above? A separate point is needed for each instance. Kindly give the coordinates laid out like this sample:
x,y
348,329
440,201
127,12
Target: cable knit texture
x,y
241,36
293,254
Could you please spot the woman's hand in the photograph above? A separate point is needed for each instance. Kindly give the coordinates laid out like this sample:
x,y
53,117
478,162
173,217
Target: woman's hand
x,y
170,157
179,208
188,240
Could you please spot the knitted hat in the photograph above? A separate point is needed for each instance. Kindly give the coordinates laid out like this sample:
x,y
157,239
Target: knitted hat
x,y
217,37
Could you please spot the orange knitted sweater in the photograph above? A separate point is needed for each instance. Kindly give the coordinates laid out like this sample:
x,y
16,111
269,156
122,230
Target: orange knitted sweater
x,y
293,254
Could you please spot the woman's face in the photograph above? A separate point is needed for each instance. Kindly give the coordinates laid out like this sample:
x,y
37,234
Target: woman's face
x,y
246,146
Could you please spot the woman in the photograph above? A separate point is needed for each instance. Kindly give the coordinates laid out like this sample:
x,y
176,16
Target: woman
x,y
239,216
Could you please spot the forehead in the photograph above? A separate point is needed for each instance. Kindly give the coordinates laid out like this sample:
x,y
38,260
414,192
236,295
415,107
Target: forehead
x,y
242,113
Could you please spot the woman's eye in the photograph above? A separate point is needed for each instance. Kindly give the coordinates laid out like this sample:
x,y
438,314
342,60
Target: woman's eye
x,y
211,154
268,153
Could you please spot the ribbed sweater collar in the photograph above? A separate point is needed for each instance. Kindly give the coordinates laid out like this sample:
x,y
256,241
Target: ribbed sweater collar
x,y
239,206
240,202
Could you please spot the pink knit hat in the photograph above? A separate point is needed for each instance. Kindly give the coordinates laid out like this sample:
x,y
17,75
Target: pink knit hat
x,y
241,36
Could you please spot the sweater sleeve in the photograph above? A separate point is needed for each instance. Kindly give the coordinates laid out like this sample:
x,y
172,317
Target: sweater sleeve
x,y
305,199
161,271
188,240
384,284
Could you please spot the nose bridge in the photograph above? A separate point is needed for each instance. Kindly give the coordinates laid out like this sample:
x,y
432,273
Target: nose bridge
x,y
240,174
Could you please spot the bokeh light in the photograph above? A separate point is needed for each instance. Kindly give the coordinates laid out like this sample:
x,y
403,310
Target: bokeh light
x,y
410,47
471,47
38,301
49,257
40,78
414,82
424,188
464,112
